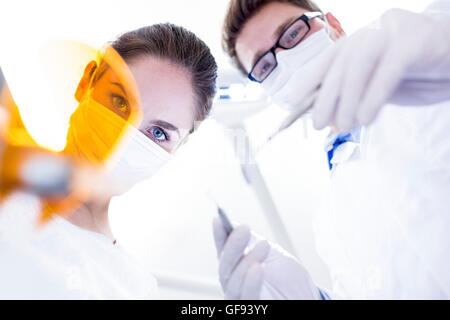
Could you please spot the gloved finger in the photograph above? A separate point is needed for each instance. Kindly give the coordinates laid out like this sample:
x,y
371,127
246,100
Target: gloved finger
x,y
232,253
220,235
386,78
257,255
365,50
251,288
324,107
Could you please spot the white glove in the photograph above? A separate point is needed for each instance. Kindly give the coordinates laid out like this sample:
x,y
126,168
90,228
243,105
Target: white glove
x,y
367,68
251,268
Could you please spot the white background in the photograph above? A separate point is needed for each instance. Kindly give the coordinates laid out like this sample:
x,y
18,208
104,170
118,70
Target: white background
x,y
166,222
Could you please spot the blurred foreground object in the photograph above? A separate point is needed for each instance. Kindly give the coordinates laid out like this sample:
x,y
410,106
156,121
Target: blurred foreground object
x,y
66,179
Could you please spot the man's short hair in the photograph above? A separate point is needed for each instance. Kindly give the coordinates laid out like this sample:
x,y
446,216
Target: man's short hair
x,y
239,12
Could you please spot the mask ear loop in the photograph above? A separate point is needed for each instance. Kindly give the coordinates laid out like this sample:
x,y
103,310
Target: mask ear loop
x,y
327,25
184,140
180,143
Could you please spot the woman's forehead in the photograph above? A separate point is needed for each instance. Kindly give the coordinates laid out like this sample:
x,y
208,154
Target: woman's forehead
x,y
165,90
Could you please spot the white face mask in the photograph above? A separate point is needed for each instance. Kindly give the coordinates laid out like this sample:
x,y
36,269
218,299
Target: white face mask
x,y
137,159
134,159
296,60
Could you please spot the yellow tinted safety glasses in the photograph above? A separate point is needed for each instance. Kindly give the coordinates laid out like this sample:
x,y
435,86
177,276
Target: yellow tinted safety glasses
x,y
106,105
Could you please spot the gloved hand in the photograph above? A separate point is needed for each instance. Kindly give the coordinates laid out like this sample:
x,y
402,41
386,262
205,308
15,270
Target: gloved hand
x,y
251,268
367,68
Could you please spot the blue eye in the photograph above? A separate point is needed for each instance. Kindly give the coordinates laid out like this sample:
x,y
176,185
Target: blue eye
x,y
158,134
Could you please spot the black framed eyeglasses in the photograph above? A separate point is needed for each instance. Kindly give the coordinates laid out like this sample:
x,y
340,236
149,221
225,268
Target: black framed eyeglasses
x,y
292,35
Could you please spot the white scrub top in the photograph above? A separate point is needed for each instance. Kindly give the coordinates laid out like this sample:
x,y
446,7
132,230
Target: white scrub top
x,y
63,261
384,232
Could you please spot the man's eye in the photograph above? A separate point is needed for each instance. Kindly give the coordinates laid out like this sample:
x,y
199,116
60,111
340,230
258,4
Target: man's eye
x,y
119,103
158,134
265,68
294,34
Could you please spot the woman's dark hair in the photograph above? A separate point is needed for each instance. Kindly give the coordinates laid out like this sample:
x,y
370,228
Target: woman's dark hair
x,y
180,46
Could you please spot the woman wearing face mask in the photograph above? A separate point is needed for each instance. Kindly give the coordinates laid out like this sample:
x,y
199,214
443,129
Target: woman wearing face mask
x,y
174,78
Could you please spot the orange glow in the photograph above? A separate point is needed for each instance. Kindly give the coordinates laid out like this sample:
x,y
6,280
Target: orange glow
x,y
108,105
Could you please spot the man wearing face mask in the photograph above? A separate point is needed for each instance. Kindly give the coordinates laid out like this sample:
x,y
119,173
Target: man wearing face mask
x,y
383,233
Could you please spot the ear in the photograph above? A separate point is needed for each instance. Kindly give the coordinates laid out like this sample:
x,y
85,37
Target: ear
x,y
335,25
83,85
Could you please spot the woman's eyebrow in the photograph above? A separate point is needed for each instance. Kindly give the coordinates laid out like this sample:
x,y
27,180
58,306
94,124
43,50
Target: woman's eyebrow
x,y
120,86
165,125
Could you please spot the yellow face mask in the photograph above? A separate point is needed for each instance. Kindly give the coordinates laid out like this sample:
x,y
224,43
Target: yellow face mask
x,y
94,132
100,123
105,113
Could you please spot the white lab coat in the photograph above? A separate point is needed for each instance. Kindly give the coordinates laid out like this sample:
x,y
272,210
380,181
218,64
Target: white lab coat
x,y
63,261
385,231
